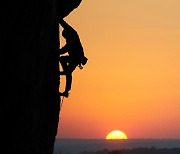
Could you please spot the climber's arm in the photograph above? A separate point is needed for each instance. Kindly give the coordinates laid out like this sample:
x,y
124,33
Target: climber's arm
x,y
65,24
63,50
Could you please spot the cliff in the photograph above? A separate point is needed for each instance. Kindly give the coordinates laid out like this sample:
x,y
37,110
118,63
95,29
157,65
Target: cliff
x,y
29,80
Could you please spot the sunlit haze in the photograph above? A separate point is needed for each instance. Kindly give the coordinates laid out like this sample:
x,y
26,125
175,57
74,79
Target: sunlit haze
x,y
131,81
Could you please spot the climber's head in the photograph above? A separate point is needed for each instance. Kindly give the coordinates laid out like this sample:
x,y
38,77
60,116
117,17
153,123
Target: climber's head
x,y
65,33
69,33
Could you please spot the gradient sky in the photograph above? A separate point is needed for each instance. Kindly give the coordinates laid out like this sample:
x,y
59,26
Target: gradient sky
x,y
132,79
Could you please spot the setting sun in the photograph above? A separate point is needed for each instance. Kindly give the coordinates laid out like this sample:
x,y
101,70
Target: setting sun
x,y
116,134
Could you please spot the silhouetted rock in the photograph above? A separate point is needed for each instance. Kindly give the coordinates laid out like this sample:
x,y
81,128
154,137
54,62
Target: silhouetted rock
x,y
29,74
67,6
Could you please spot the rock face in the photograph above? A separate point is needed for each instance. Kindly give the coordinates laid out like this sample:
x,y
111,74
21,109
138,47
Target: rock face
x,y
29,80
29,74
67,6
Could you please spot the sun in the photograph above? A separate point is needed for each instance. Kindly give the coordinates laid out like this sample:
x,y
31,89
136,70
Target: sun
x,y
116,135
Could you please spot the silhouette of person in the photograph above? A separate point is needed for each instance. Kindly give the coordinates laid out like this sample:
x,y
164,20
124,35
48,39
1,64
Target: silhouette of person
x,y
75,58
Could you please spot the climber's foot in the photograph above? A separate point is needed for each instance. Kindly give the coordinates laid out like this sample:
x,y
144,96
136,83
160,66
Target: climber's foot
x,y
65,94
62,73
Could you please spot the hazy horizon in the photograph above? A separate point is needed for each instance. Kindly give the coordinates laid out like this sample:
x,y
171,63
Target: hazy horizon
x,y
117,139
78,145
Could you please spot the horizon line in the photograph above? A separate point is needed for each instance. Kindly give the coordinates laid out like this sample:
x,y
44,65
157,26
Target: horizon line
x,y
68,138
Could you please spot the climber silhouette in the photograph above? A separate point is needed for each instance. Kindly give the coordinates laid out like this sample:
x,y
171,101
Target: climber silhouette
x,y
75,58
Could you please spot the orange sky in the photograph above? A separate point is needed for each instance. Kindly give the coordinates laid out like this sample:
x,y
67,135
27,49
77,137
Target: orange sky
x,y
132,79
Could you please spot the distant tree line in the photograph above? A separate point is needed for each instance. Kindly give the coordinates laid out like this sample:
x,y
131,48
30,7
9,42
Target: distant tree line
x,y
152,150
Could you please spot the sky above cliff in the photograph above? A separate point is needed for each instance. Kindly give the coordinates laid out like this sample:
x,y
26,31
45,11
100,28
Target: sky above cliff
x,y
132,79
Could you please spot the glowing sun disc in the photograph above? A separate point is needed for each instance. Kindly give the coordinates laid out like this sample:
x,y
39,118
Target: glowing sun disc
x,y
115,135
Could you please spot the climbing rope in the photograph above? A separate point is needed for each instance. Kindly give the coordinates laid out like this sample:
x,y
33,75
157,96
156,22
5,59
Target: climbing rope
x,y
61,102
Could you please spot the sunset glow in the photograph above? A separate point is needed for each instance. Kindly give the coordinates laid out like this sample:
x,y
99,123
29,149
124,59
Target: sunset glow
x,y
132,79
116,134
